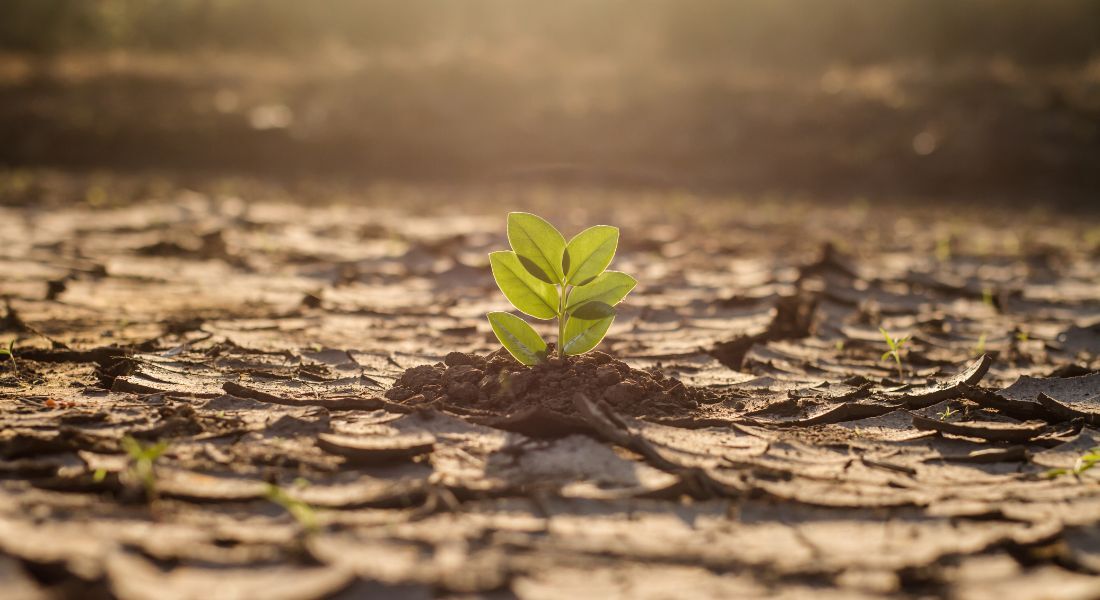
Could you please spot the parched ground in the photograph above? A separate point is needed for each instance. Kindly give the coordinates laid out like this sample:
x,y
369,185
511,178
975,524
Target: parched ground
x,y
257,330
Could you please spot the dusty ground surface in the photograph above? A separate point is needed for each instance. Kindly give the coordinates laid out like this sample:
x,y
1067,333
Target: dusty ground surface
x,y
259,337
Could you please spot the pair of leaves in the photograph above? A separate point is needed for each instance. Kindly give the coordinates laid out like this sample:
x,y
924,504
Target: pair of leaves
x,y
594,300
894,344
540,269
528,347
544,254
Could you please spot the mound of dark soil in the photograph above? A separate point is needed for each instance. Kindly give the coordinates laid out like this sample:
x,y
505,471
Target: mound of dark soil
x,y
540,399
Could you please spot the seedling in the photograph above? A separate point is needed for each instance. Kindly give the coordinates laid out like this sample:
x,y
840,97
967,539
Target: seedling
x,y
948,413
895,347
546,278
1084,462
979,348
301,511
943,249
10,352
143,463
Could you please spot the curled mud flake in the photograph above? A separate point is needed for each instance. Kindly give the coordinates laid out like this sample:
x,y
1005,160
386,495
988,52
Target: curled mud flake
x,y
377,449
986,430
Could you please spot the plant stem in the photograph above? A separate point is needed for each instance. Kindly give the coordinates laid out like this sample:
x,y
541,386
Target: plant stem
x,y
563,301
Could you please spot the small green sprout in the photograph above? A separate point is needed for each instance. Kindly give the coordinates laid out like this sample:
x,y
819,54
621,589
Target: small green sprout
x,y
979,348
895,345
1021,336
143,463
547,278
839,345
10,353
987,297
301,511
1084,462
948,413
943,248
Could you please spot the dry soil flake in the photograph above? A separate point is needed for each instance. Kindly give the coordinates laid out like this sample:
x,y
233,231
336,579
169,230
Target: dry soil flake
x,y
497,390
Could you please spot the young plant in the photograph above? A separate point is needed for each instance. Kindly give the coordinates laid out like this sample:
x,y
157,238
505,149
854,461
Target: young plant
x,y
1084,462
979,348
943,248
143,463
948,413
895,348
301,511
10,353
546,277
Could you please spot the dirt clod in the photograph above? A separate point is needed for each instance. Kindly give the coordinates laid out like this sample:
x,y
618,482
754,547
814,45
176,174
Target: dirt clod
x,y
499,384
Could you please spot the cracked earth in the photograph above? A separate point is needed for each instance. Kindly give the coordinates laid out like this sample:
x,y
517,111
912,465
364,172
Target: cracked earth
x,y
736,435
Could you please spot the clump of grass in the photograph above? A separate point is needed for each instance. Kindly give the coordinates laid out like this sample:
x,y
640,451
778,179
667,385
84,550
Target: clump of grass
x,y
301,511
896,345
1084,462
143,460
546,277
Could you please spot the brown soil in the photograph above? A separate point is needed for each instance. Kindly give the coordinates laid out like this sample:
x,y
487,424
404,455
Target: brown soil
x,y
497,386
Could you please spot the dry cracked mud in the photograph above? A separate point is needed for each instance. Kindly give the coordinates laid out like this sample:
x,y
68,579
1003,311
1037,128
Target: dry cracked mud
x,y
737,434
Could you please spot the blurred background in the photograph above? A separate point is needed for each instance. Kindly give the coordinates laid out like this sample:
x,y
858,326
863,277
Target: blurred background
x,y
954,99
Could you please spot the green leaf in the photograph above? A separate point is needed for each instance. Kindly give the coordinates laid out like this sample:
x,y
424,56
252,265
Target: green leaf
x,y
518,337
610,288
531,296
534,269
590,251
582,335
593,310
536,240
890,341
